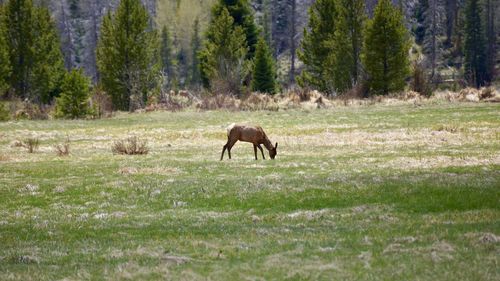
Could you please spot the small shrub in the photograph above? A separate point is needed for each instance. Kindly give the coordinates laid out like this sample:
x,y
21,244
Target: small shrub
x,y
130,146
74,99
419,82
31,144
62,149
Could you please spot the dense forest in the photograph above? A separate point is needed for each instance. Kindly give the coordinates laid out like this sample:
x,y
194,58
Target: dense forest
x,y
133,49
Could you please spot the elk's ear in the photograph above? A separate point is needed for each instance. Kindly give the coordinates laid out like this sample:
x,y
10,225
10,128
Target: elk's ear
x,y
276,146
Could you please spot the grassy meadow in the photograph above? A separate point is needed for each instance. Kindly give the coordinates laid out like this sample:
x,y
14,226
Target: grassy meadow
x,y
380,192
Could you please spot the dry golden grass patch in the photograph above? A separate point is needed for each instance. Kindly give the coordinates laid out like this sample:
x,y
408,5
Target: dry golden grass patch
x,y
165,171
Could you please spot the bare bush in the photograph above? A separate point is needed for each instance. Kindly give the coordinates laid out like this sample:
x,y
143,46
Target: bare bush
x,y
419,81
218,102
130,146
31,144
62,149
30,111
101,103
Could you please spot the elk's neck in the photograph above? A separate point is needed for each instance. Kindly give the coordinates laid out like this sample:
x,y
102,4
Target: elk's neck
x,y
268,144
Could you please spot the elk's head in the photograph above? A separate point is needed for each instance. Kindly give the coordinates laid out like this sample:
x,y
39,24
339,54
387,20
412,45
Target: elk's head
x,y
273,152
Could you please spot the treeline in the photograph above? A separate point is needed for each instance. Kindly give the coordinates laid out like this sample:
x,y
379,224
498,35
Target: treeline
x,y
343,49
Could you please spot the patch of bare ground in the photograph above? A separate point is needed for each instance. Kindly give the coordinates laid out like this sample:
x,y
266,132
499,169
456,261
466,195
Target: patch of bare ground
x,y
409,163
296,267
164,171
438,251
483,238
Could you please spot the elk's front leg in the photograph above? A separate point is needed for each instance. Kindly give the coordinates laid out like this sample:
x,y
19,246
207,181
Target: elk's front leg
x,y
255,151
261,151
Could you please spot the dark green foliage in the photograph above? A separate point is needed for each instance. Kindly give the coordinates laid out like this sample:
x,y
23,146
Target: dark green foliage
x,y
386,47
474,45
127,55
222,59
242,14
419,28
5,68
344,64
264,73
317,46
267,23
18,20
74,100
48,68
195,76
34,51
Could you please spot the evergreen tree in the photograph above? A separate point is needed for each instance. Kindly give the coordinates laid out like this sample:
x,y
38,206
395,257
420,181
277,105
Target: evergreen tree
x,y
34,50
5,69
18,20
385,50
74,99
166,56
491,39
222,58
474,45
242,14
434,32
48,63
264,73
317,46
344,62
127,55
419,29
267,27
195,79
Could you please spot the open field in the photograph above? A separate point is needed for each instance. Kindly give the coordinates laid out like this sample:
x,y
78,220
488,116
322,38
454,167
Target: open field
x,y
377,192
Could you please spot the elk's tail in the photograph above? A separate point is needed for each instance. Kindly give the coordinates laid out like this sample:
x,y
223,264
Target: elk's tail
x,y
229,128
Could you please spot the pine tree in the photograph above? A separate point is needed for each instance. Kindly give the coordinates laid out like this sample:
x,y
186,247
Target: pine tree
x,y
18,20
242,14
474,45
419,29
267,26
264,73
48,68
222,59
74,99
167,64
491,40
195,79
34,48
344,62
434,32
385,50
5,69
317,46
127,55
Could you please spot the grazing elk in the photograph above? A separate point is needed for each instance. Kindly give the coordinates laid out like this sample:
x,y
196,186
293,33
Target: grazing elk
x,y
253,134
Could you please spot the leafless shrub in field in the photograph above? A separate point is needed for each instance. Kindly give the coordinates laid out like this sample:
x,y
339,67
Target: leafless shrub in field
x,y
62,149
130,146
31,144
101,103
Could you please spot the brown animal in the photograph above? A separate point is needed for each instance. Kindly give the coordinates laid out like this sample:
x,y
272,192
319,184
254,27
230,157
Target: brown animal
x,y
253,134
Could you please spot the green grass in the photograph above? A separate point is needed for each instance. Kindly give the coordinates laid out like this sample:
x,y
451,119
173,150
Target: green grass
x,y
370,192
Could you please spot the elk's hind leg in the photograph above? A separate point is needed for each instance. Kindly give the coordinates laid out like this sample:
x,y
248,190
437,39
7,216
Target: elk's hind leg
x,y
223,150
255,151
230,144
